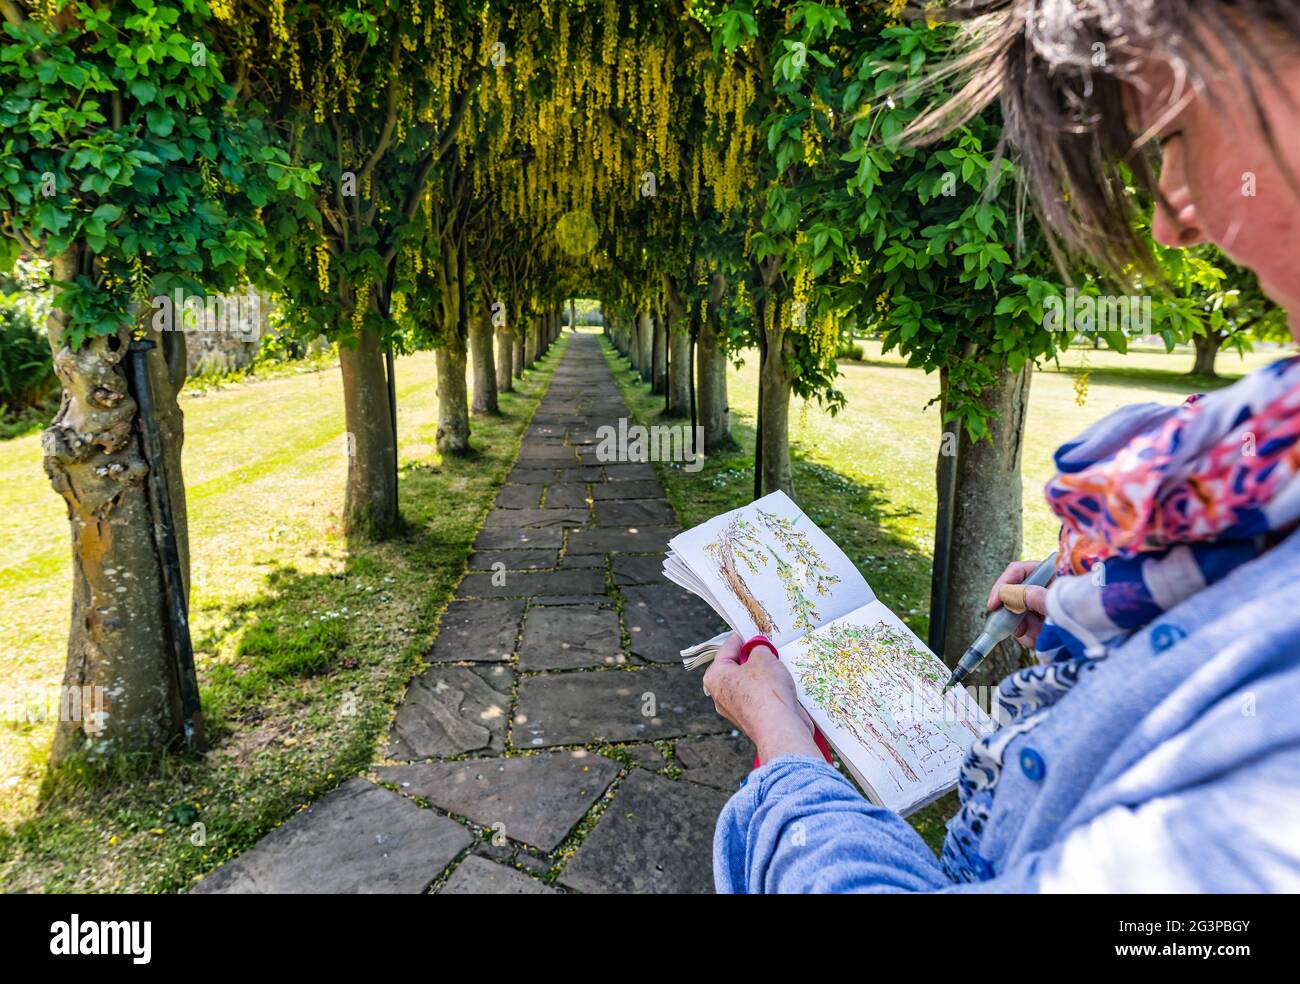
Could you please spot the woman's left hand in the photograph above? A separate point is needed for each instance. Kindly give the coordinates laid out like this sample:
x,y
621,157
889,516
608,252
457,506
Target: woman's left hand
x,y
759,699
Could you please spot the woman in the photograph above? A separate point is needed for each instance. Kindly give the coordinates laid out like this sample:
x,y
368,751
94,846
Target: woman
x,y
1156,747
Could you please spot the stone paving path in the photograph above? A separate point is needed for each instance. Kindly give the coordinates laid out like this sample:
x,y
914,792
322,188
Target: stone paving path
x,y
529,758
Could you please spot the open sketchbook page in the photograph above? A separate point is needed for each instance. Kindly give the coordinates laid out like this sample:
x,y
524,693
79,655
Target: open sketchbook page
x,y
875,691
766,568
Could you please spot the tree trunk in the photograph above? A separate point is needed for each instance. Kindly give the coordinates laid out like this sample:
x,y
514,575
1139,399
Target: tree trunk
x,y
634,342
758,613
453,400
986,527
774,399
645,332
534,339
483,362
370,501
660,382
505,361
120,687
711,376
520,335
679,370
1207,351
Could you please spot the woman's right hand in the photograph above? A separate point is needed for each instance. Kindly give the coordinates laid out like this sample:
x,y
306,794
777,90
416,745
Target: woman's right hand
x,y
1035,601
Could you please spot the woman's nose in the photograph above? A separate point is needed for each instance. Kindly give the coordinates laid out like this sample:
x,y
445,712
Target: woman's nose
x,y
1175,222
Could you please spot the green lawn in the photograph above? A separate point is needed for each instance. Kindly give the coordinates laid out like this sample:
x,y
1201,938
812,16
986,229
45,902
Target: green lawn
x,y
302,644
866,475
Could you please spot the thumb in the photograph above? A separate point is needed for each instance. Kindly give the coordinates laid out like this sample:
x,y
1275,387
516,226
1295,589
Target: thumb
x,y
1036,600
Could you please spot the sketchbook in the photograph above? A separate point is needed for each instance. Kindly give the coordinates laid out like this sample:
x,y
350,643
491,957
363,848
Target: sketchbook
x,y
869,683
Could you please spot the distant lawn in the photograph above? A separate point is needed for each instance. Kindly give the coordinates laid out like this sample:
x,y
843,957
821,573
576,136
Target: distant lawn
x,y
303,646
866,475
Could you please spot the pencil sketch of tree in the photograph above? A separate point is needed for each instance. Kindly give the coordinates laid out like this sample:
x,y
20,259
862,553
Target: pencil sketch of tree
x,y
865,680
799,566
739,545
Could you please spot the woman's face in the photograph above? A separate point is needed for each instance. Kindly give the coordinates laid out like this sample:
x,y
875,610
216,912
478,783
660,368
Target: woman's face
x,y
1223,181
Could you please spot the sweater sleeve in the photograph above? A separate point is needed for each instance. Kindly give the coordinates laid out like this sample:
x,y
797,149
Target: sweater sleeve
x,y
1233,834
799,826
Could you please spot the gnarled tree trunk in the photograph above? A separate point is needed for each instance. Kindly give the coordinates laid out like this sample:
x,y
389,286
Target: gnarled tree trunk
x,y
986,526
120,688
370,500
483,363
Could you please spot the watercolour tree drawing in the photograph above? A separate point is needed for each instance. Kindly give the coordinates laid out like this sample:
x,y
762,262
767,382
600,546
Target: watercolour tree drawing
x,y
865,679
800,568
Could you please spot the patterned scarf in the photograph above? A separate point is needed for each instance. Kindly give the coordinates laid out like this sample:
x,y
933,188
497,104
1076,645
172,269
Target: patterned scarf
x,y
1156,503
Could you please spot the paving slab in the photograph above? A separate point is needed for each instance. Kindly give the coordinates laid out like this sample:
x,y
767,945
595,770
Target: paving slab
x,y
612,705
627,490
569,637
608,539
533,799
519,496
478,631
547,456
645,756
635,569
359,839
525,538
630,472
721,762
537,518
589,581
576,561
655,838
663,619
524,475
479,876
567,495
452,710
600,600
635,512
513,560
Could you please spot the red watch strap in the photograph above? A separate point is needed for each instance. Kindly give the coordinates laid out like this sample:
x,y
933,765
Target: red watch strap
x,y
761,640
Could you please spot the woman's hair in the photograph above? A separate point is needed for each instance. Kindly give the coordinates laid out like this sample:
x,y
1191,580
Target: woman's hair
x,y
1060,68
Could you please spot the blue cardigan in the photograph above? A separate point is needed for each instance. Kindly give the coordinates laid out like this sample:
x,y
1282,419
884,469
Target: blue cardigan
x,y
1173,765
